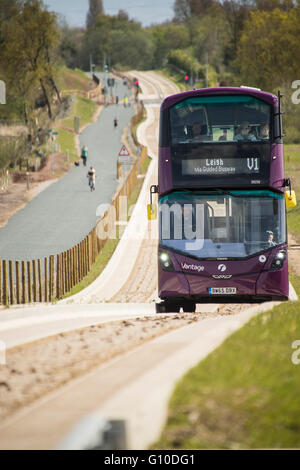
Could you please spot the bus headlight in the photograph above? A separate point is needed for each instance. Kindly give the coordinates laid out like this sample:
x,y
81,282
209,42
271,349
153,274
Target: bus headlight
x,y
165,261
278,260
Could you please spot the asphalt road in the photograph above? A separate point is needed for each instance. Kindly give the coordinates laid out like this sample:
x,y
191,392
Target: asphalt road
x,y
64,213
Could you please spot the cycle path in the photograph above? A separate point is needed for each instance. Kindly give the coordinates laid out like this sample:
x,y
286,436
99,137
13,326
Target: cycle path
x,y
64,213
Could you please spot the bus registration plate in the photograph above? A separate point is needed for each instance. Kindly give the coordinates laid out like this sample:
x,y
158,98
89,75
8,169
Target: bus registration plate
x,y
222,290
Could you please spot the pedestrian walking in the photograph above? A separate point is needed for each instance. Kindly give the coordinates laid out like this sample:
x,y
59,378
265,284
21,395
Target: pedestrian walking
x,y
92,178
84,154
117,100
125,101
115,123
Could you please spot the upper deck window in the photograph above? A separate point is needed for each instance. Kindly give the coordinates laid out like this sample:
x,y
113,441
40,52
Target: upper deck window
x,y
221,119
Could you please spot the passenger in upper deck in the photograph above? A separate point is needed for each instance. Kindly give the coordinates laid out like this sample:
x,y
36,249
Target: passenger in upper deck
x,y
263,132
224,135
244,132
199,132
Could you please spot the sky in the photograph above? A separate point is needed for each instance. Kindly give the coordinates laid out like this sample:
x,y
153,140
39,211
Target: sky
x,y
146,12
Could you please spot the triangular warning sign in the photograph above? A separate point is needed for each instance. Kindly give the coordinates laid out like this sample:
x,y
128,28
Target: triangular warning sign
x,y
124,152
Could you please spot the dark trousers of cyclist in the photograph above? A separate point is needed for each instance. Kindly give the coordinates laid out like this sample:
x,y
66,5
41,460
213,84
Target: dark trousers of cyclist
x,y
92,183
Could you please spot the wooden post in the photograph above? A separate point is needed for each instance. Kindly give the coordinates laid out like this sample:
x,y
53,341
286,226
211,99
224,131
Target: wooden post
x,y
34,280
57,277
11,283
88,246
67,287
87,254
18,285
51,278
69,270
29,285
73,266
65,272
81,260
40,281
46,281
24,296
78,263
5,287
1,290
61,283
61,267
85,257
93,246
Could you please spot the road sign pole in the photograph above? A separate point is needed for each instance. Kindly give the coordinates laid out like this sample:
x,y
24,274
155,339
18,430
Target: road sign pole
x,y
52,156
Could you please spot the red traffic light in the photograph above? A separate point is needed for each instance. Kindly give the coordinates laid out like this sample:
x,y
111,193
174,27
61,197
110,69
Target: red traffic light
x,y
186,78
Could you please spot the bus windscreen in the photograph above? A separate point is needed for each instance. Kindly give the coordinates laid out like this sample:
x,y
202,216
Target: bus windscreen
x,y
222,119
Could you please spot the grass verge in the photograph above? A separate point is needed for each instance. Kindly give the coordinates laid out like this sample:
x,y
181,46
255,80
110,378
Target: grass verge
x,y
97,268
245,393
175,77
292,170
82,107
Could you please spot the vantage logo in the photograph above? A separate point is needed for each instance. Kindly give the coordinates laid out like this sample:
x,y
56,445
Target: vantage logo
x,y
192,267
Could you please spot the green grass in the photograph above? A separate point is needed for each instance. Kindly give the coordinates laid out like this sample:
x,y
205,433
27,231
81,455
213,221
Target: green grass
x,y
66,139
246,393
97,268
178,78
82,107
292,170
174,76
135,126
72,79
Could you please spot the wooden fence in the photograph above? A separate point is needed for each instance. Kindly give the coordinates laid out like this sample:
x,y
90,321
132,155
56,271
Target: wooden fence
x,y
85,94
50,279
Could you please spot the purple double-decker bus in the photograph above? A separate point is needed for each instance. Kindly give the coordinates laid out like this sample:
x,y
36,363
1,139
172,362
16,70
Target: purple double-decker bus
x,y
221,185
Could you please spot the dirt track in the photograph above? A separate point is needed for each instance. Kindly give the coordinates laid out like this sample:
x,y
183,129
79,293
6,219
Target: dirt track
x,y
38,368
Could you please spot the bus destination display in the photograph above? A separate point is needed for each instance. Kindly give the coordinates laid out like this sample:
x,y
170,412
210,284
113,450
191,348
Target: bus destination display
x,y
221,166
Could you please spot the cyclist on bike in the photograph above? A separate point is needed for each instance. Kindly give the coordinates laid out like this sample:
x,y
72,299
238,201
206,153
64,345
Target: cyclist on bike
x,y
92,178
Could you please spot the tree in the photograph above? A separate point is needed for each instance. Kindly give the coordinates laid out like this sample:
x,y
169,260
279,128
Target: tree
x,y
27,56
95,9
184,9
268,52
167,37
269,5
236,13
70,45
